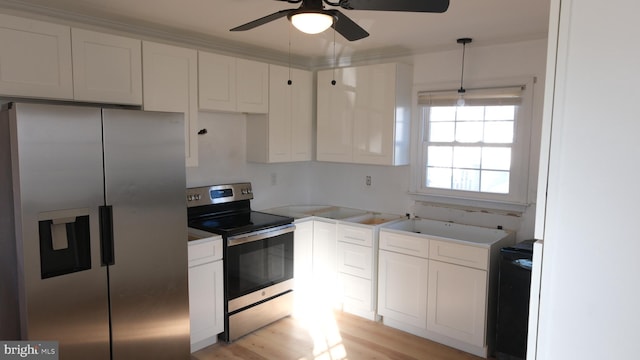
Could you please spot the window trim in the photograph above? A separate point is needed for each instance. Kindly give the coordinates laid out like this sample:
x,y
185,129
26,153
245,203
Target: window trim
x,y
518,197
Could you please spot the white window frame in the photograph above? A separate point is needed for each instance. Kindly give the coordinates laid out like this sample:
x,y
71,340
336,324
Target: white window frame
x,y
517,198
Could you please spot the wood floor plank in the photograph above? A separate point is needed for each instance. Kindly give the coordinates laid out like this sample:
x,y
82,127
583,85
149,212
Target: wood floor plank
x,y
330,335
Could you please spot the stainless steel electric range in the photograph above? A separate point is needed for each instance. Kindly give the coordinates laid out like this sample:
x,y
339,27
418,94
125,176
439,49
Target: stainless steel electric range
x,y
258,255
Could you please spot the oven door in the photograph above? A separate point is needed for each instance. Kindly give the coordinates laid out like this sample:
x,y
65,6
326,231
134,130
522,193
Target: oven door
x,y
259,260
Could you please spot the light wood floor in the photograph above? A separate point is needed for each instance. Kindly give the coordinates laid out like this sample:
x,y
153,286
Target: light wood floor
x,y
330,335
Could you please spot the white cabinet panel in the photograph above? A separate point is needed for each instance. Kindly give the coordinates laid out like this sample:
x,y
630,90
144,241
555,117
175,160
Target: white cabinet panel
x,y
285,133
35,60
106,68
325,253
358,235
171,84
404,244
466,255
252,80
206,291
355,260
365,117
356,295
457,302
402,288
303,257
217,82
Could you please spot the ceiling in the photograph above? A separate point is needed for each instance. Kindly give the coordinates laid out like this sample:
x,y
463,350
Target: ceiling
x,y
392,34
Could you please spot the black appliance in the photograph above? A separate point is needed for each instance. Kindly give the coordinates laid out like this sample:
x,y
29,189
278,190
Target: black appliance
x,y
258,255
513,301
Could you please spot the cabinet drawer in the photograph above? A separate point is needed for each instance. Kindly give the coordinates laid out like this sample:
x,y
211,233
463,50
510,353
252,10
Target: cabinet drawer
x,y
355,234
356,292
404,244
459,254
205,250
355,260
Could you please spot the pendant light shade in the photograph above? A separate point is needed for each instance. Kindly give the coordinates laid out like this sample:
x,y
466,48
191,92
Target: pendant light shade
x,y
311,22
461,91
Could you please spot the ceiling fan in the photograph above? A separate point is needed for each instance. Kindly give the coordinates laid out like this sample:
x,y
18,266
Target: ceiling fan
x,y
311,17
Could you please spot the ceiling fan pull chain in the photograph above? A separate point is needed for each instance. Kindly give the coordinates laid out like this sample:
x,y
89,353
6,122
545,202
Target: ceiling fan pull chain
x,y
335,61
289,82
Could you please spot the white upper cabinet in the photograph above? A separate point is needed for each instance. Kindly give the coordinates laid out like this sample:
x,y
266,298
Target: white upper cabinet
x,y
106,68
217,82
35,60
170,83
365,117
230,84
285,134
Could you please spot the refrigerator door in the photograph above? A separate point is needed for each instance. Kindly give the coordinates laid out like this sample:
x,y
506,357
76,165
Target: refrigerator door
x,y
57,177
145,182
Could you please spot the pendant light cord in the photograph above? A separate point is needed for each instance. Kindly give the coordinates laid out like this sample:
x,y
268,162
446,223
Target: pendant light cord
x,y
464,42
335,60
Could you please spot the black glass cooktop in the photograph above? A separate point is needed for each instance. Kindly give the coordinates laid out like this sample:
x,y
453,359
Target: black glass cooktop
x,y
238,223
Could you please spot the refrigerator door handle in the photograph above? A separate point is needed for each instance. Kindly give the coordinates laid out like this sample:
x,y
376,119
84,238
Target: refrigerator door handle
x,y
106,235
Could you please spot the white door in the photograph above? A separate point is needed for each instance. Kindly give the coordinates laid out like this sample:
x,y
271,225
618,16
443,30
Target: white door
x,y
252,81
402,288
106,68
335,115
324,261
35,60
216,82
457,302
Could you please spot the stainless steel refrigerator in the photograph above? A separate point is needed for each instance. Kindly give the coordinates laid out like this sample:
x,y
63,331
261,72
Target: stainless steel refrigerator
x,y
93,242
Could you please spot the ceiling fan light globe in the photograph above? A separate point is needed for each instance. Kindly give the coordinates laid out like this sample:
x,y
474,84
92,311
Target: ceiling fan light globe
x,y
312,23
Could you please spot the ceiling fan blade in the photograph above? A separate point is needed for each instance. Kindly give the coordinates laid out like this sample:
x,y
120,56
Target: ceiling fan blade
x,y
347,27
263,20
435,6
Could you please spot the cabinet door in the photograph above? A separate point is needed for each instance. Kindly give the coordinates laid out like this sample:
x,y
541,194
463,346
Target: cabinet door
x,y
206,303
35,60
303,255
171,84
335,112
324,260
280,128
355,260
457,302
217,82
402,288
301,115
252,81
374,120
356,295
106,68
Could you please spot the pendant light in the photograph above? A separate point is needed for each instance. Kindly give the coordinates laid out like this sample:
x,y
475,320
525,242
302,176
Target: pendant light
x,y
311,21
461,91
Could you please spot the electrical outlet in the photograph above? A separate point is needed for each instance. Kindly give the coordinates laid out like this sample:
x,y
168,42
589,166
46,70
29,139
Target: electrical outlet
x,y
274,179
368,180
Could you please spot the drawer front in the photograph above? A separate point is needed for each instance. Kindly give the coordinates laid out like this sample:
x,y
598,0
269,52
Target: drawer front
x,y
404,244
454,253
356,292
355,235
205,250
355,260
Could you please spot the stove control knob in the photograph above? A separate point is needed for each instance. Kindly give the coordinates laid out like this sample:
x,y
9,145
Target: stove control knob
x,y
189,197
197,197
244,191
249,191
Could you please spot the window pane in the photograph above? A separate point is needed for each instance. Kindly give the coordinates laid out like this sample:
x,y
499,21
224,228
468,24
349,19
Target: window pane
x,y
503,112
442,113
466,180
441,131
466,157
439,177
496,158
470,113
498,132
469,132
440,156
495,182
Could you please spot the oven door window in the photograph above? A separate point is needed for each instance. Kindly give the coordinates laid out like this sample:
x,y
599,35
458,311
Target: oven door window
x,y
258,264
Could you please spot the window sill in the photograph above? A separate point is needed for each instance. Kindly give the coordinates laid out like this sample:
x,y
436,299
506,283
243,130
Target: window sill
x,y
508,208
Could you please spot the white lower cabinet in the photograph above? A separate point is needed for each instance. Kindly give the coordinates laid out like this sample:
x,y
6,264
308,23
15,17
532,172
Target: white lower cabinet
x,y
303,263
402,290
206,291
457,297
325,251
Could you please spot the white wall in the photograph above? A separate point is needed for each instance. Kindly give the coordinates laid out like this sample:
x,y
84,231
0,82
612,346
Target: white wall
x,y
223,156
590,290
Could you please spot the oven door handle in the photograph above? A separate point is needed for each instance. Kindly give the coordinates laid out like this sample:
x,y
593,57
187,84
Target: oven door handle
x,y
260,235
